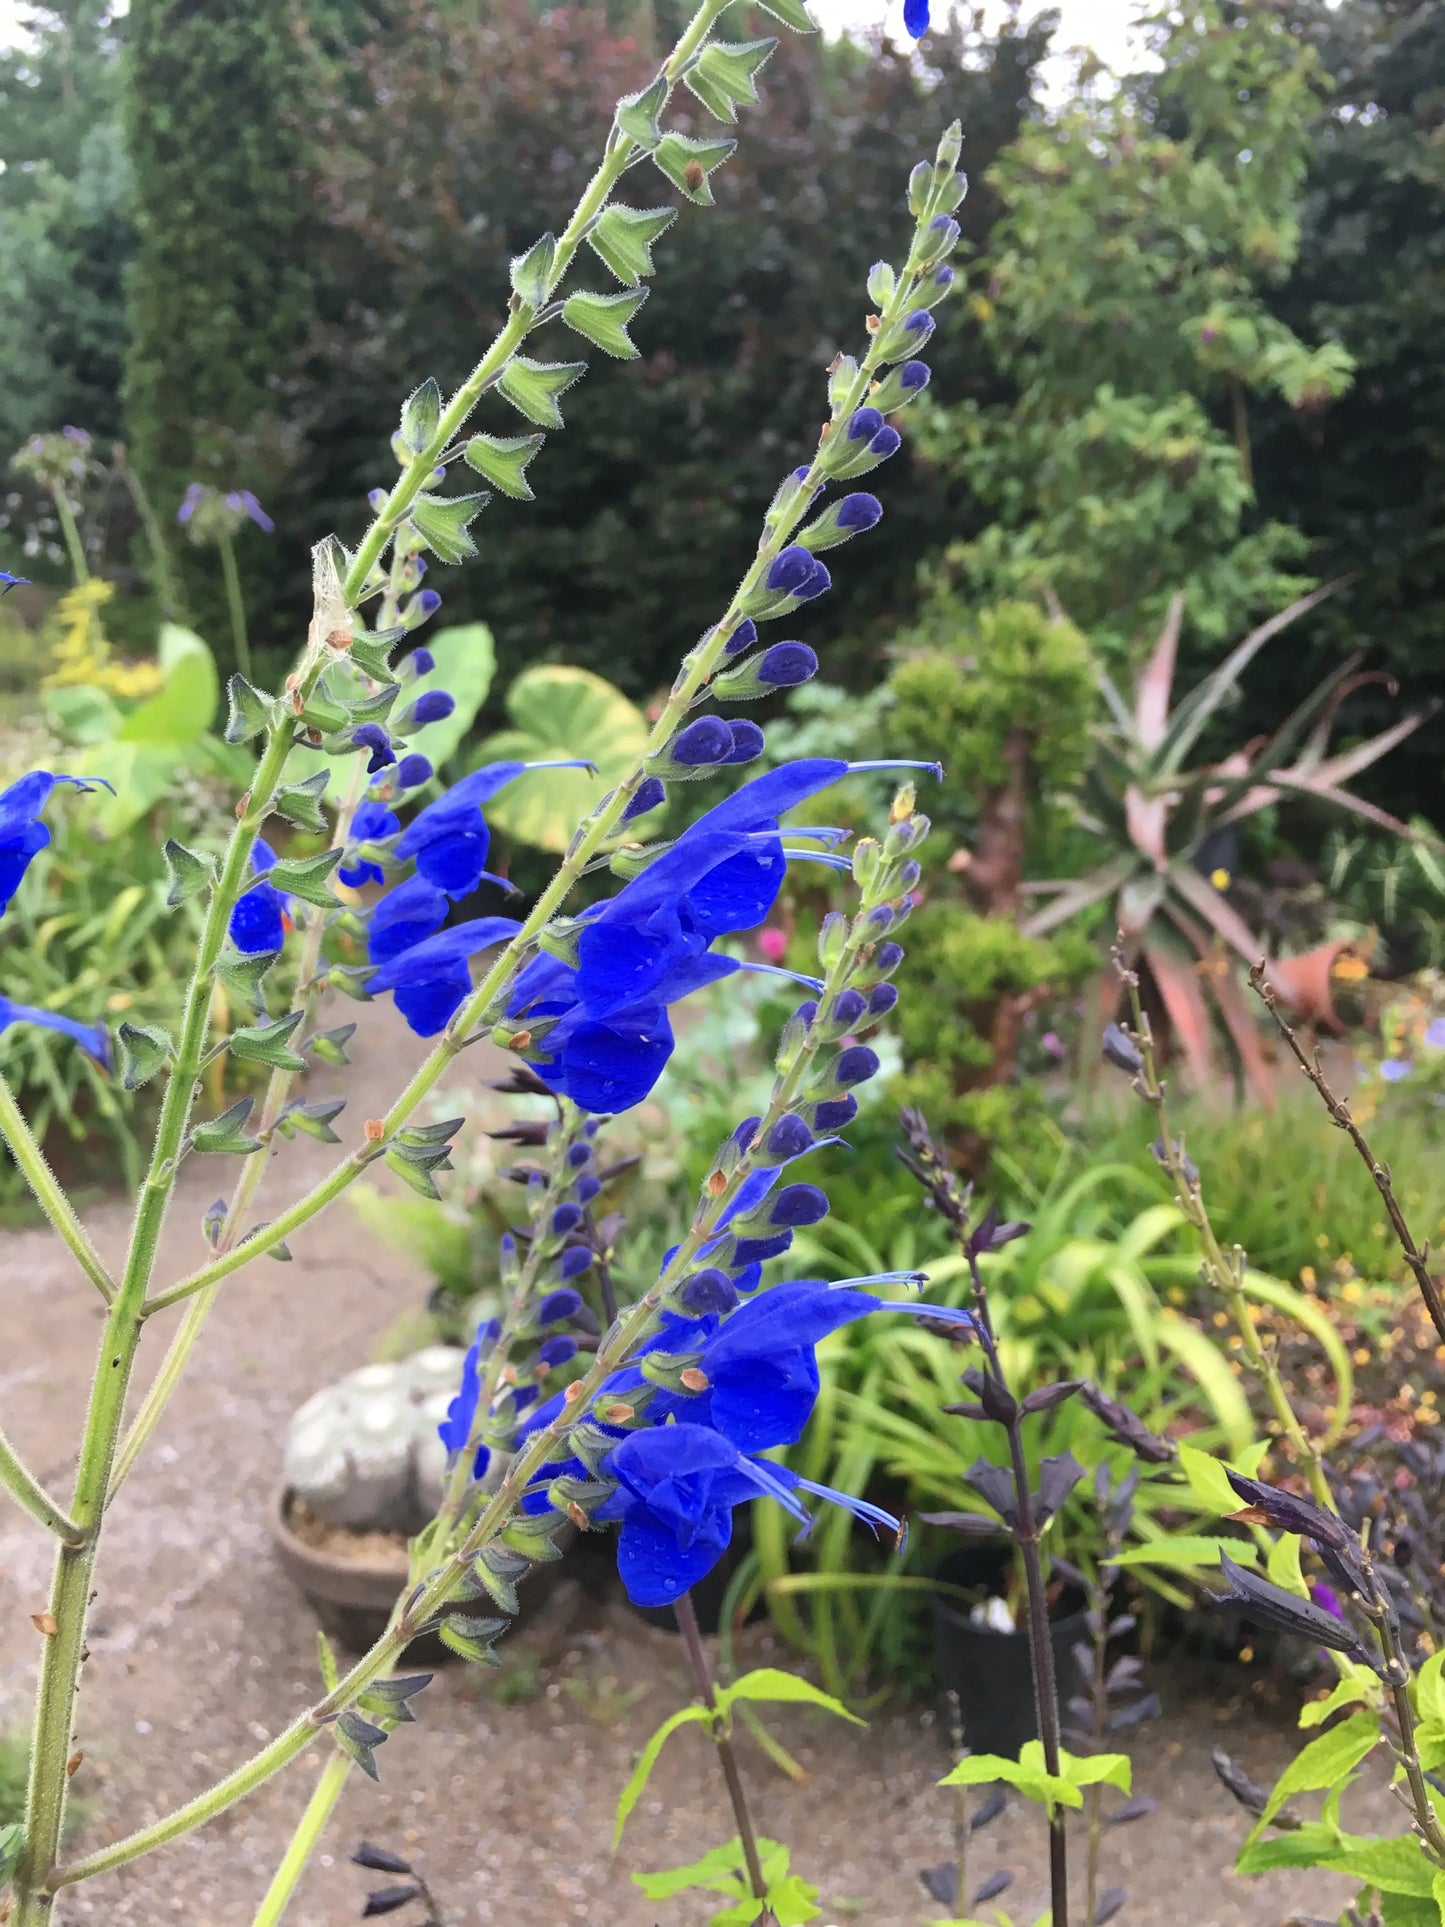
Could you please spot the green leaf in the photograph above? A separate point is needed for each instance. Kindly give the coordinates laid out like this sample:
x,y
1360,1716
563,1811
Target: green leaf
x,y
188,872
724,75
792,13
531,273
12,1845
637,114
371,654
1358,1687
1208,1481
771,1684
456,1639
687,164
417,1176
1309,1845
420,417
443,521
647,1760
300,803
1430,1688
503,460
602,319
982,1769
1282,1567
312,1120
1397,1866
226,1133
1324,1762
720,1872
532,387
268,1043
185,706
250,711
140,1052
1402,1910
305,877
244,974
465,660
623,239
1184,1552
559,712
330,1045
1097,1769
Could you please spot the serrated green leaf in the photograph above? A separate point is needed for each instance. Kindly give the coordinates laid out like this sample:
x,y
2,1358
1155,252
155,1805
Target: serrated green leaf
x,y
431,1135
532,387
268,1043
250,711
1184,1552
372,654
1310,1845
647,1760
12,1846
1397,1866
188,872
226,1134
637,113
300,803
602,319
496,1573
724,75
687,163
623,239
140,1051
503,459
464,1646
1359,1686
792,13
1430,1688
374,707
1406,1910
420,416
1097,1769
305,877
531,273
771,1684
330,1045
443,521
1324,1762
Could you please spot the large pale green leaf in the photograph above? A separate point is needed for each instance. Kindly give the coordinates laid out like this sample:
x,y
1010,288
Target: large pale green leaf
x,y
556,713
83,713
184,707
465,662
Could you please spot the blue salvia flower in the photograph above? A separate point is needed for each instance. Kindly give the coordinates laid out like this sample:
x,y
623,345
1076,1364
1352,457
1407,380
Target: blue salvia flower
x,y
406,915
9,582
372,823
431,980
259,920
449,839
915,17
22,834
92,1037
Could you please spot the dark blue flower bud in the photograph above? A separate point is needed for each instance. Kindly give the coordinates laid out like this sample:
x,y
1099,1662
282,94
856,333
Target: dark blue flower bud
x,y
881,999
412,771
848,1006
373,737
885,443
708,1291
376,500
861,511
746,1132
749,1277
818,583
789,1137
566,1218
855,1066
834,1113
864,425
421,662
648,794
799,1204
909,875
791,571
419,608
433,706
559,1305
881,916
920,325
575,1260
708,740
743,637
914,375
557,1349
944,277
587,1188
887,957
488,1332
940,222
748,742
807,1010
755,1251
786,664
578,1155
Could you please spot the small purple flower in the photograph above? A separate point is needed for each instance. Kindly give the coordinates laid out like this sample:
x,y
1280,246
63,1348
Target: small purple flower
x,y
421,662
1435,1033
786,664
649,794
861,511
944,277
9,582
190,502
243,500
885,443
1395,1068
373,737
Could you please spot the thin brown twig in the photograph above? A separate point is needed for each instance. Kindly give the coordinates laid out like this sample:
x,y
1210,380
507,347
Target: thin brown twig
x,y
1339,1111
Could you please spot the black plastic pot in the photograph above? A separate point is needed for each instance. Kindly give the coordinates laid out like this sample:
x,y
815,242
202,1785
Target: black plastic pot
x,y
990,1671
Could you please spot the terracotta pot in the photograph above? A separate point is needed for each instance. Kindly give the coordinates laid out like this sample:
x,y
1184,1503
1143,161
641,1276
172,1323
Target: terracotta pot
x,y
1303,984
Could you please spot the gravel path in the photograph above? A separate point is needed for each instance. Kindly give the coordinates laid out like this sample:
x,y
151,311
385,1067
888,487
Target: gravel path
x,y
200,1650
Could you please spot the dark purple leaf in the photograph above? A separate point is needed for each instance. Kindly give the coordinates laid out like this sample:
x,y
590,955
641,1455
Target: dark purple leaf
x,y
1121,1051
992,1807
1271,1606
1249,1793
1110,1901
1124,1672
1127,1427
1135,1809
1147,1708
379,1860
973,1524
996,1884
1048,1396
1082,1709
1125,1623
994,1486
1290,1513
1057,1478
386,1900
941,1883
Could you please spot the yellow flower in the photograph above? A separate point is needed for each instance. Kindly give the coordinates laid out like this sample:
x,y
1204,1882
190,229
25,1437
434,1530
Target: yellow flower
x,y
1219,878
82,653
